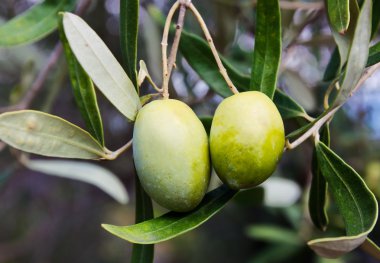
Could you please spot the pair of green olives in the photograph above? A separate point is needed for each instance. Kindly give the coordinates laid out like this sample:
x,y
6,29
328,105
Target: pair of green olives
x,y
171,147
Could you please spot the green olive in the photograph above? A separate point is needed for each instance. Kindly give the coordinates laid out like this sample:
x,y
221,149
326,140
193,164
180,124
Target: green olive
x,y
171,154
246,139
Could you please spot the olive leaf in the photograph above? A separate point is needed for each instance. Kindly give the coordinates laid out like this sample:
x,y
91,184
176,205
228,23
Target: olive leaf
x,y
344,41
84,91
99,63
356,203
173,224
267,51
45,134
318,189
85,172
34,24
288,107
375,18
339,14
129,20
374,55
358,52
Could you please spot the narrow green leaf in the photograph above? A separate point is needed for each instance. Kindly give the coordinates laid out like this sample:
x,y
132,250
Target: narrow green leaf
x,y
358,53
129,20
267,51
318,189
356,203
85,172
374,55
375,18
34,24
99,63
84,91
339,14
173,224
199,55
344,41
144,211
288,107
333,67
371,248
274,234
45,134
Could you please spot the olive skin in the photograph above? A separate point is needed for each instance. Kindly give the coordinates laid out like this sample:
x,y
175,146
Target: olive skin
x,y
171,154
246,139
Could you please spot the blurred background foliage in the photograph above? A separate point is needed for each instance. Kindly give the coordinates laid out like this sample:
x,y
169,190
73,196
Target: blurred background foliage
x,y
48,219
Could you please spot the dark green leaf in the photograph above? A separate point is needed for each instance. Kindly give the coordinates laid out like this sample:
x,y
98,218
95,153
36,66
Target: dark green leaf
x,y
45,134
276,253
144,211
333,66
356,203
358,52
267,52
34,24
374,55
375,18
288,107
103,68
199,55
318,189
339,14
129,20
84,91
173,224
85,172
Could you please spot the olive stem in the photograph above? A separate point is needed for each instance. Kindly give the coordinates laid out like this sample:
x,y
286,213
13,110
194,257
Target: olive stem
x,y
313,130
207,34
164,45
113,155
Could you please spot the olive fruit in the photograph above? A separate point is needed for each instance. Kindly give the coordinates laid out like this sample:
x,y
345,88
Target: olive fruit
x,y
246,139
171,154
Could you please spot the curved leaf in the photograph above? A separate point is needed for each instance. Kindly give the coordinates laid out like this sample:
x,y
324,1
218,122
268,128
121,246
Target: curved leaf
x,y
34,24
339,14
129,20
371,248
84,91
173,224
45,134
318,189
99,63
85,172
288,107
267,51
356,203
358,53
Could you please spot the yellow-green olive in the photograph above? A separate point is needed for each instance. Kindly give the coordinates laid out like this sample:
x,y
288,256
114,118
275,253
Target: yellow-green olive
x,y
246,139
171,154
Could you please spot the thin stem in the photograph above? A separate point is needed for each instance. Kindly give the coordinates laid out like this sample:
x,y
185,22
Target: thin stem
x,y
326,103
313,130
164,47
174,49
221,67
113,155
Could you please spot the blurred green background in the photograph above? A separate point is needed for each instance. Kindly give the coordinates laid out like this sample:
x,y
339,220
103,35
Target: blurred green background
x,y
49,219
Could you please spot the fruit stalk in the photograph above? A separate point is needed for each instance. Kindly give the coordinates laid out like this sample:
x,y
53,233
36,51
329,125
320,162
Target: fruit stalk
x,y
207,34
168,66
